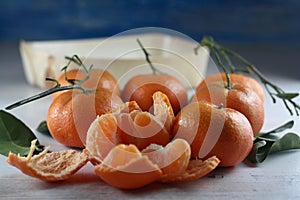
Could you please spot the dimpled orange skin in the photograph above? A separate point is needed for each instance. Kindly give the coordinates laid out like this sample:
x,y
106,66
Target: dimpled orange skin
x,y
239,79
98,79
141,88
240,98
71,113
214,131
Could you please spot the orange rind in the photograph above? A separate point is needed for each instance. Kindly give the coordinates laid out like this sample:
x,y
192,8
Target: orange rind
x,y
195,170
53,166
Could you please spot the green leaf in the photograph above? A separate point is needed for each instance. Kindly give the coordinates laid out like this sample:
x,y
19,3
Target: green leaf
x,y
262,148
287,142
253,154
279,129
15,136
43,128
287,95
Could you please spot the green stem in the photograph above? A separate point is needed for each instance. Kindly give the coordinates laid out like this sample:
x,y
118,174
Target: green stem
x,y
250,69
44,94
74,84
209,42
147,55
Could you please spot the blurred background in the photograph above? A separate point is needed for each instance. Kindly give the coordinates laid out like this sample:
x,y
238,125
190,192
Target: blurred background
x,y
266,31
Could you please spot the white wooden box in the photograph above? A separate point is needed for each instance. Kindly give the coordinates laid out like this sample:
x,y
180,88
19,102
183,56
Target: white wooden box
x,y
120,55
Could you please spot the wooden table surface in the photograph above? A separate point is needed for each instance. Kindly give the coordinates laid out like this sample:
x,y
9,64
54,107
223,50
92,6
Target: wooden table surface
x,y
277,178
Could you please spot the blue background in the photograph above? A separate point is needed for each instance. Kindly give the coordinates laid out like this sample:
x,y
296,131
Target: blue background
x,y
256,21
266,32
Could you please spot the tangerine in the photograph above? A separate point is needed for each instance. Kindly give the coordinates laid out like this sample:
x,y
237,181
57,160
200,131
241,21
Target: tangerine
x,y
140,88
214,131
238,97
71,113
239,79
98,79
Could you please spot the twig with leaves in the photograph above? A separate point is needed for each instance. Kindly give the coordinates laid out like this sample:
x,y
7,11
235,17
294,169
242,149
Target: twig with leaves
x,y
222,53
73,83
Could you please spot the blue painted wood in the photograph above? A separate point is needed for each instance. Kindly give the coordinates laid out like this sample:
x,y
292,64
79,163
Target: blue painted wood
x,y
258,21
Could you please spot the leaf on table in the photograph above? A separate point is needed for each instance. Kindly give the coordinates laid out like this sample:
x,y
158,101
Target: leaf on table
x,y
15,136
266,143
43,128
287,142
279,129
262,148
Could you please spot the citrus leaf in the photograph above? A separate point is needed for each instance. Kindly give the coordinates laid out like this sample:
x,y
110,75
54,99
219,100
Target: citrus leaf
x,y
253,154
287,142
287,95
43,128
15,136
279,129
262,148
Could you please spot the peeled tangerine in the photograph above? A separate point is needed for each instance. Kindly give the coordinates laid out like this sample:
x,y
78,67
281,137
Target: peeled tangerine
x,y
128,124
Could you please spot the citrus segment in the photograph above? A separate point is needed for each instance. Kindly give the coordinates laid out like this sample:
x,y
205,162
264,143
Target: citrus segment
x,y
125,167
102,136
172,159
195,170
54,166
142,129
163,110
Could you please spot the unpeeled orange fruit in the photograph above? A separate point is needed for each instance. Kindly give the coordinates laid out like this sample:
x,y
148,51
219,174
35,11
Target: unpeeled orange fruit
x,y
214,131
140,88
98,79
71,113
239,79
238,97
